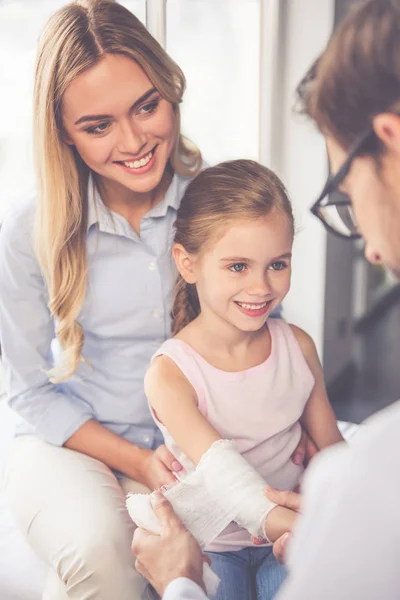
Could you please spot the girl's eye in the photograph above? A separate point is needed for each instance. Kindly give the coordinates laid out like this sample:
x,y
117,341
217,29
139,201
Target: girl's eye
x,y
98,129
237,267
278,266
149,108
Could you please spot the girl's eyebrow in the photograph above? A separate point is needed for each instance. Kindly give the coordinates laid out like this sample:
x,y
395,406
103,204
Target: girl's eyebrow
x,y
249,260
143,98
236,259
286,255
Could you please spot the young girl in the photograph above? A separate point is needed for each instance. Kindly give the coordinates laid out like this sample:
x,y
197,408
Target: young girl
x,y
230,371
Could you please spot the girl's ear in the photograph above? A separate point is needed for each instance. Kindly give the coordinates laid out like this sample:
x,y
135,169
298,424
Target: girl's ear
x,y
184,263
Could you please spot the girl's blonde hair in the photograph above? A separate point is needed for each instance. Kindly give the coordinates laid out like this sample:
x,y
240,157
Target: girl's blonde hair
x,y
357,76
234,190
75,39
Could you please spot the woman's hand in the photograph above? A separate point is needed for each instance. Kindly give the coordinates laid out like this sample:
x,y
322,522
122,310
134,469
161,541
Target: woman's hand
x,y
305,450
156,468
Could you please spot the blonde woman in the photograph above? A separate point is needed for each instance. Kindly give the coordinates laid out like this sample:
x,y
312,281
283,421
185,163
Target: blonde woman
x,y
85,293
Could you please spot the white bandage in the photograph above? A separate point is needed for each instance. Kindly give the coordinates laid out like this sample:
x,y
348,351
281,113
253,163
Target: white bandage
x,y
235,486
222,489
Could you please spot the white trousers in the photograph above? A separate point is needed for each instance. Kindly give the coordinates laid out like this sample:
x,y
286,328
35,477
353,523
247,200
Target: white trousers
x,y
71,509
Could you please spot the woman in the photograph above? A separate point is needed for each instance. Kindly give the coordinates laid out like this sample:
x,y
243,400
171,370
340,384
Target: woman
x,y
88,263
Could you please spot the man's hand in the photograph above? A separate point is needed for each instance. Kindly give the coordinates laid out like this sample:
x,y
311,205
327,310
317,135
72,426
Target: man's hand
x,y
305,450
288,500
173,554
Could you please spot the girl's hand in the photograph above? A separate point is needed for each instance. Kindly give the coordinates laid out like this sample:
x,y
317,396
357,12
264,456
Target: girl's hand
x,y
305,450
290,500
288,505
156,468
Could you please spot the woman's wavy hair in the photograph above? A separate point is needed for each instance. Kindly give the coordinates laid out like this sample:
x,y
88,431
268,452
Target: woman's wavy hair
x,y
357,76
231,191
75,39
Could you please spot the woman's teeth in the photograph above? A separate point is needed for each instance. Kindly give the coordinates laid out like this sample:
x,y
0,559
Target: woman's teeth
x,y
252,306
136,164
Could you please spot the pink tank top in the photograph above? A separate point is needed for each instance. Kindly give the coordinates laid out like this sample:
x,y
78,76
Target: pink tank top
x,y
258,408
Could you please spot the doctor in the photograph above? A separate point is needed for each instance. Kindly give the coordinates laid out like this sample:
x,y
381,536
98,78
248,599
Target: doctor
x,y
346,542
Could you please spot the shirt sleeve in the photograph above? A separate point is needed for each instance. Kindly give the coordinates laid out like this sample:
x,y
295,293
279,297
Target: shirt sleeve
x,y
184,589
26,333
345,544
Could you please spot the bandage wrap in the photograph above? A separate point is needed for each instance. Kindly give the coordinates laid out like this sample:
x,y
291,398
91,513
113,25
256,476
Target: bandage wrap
x,y
222,489
235,486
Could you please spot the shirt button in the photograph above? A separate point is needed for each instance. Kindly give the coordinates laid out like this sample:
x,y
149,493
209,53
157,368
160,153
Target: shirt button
x,y
156,314
152,266
146,439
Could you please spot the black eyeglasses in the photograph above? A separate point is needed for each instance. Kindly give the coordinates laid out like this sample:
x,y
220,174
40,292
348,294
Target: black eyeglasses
x,y
337,214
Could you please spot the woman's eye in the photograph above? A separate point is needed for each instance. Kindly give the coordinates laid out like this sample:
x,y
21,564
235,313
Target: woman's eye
x,y
98,129
278,266
237,267
149,108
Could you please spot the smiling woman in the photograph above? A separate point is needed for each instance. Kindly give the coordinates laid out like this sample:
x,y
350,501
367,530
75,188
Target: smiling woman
x,y
85,292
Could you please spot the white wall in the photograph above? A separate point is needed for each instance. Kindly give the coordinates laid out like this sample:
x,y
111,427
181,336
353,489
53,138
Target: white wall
x,y
303,165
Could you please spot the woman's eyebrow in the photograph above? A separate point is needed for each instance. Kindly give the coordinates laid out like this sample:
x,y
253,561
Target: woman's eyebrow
x,y
143,98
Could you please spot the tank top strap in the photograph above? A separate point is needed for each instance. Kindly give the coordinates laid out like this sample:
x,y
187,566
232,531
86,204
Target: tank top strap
x,y
287,350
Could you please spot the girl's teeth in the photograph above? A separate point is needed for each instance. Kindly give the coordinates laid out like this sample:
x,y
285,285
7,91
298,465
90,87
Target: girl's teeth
x,y
139,163
252,306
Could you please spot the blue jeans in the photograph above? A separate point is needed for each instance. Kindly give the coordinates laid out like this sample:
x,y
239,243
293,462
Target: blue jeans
x,y
248,574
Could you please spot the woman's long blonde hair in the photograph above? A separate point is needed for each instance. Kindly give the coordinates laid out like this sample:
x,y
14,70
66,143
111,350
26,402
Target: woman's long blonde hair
x,y
75,39
233,190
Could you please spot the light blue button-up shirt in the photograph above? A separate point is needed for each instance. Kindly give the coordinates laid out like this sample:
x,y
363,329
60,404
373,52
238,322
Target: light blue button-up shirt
x,y
125,316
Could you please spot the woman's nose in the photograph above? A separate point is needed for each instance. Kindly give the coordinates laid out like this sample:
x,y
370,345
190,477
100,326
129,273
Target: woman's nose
x,y
131,140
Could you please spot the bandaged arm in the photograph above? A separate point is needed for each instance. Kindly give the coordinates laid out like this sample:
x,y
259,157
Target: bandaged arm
x,y
227,475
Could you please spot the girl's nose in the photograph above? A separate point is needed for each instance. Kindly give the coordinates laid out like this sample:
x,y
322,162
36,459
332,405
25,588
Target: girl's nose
x,y
260,287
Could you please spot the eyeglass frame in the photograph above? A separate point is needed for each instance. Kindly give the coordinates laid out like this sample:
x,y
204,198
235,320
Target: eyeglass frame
x,y
333,183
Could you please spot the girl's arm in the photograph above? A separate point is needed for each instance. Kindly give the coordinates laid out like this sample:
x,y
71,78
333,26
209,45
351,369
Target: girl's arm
x,y
318,417
174,401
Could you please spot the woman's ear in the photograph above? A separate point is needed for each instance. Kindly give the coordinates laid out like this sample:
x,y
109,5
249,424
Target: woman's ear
x,y
184,263
66,139
387,128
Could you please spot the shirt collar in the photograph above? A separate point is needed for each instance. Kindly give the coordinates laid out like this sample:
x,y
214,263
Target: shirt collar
x,y
99,214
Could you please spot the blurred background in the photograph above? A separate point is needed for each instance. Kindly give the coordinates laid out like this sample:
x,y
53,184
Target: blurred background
x,y
243,60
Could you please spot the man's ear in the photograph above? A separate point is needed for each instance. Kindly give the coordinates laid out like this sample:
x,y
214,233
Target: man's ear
x,y
184,263
387,128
